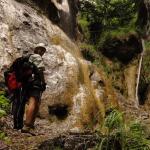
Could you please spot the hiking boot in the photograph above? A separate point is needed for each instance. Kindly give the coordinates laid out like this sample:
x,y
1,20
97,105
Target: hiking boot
x,y
29,130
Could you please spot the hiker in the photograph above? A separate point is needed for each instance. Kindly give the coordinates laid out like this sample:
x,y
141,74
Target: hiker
x,y
28,87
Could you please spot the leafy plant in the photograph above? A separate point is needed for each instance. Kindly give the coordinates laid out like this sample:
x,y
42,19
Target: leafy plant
x,y
5,138
4,104
2,113
99,16
2,135
113,120
117,135
136,139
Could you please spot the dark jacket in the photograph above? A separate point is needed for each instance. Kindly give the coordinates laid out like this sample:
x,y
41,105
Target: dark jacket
x,y
28,74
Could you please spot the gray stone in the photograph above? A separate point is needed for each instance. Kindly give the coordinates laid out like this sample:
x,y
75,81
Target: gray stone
x,y
67,74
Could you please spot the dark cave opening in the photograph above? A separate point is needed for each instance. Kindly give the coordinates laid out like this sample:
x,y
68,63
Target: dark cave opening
x,y
142,93
59,110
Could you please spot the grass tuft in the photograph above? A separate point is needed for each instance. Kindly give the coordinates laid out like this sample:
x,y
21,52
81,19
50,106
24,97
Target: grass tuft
x,y
119,135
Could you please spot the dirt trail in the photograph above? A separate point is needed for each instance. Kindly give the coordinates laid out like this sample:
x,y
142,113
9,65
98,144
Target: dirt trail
x,y
43,129
47,132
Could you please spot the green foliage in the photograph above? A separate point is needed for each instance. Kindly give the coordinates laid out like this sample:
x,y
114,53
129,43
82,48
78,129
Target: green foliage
x,y
2,135
4,104
5,138
58,148
146,68
2,113
4,109
109,12
88,51
100,16
84,26
113,120
117,33
103,20
147,45
87,46
119,135
136,139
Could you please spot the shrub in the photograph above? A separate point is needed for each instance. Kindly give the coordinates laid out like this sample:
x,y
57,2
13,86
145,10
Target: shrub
x,y
117,135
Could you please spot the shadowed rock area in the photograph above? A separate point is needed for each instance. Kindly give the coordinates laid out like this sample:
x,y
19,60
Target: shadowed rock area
x,y
63,13
124,49
75,141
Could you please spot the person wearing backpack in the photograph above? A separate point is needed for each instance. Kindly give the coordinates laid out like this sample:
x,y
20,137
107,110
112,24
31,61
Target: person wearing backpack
x,y
25,79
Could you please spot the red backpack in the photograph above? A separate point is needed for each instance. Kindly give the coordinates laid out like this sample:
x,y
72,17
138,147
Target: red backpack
x,y
12,82
19,71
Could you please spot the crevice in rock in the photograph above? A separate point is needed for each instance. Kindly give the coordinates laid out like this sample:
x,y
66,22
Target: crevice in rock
x,y
143,20
46,6
66,21
59,110
26,23
144,83
49,8
143,91
59,1
26,14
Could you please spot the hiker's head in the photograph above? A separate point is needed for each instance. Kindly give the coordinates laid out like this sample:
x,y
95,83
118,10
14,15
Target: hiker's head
x,y
40,49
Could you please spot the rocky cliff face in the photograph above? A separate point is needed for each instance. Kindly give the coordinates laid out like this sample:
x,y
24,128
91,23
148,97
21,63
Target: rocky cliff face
x,y
60,12
76,91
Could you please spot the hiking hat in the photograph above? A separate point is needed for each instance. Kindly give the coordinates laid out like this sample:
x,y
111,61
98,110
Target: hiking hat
x,y
41,47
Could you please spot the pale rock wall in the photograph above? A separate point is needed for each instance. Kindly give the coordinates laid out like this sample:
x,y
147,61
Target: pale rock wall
x,y
68,75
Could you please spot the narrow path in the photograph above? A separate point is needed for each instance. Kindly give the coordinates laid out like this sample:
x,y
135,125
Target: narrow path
x,y
43,129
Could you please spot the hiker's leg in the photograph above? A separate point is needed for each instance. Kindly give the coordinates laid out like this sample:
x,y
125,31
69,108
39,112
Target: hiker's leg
x,y
21,114
18,111
14,112
32,111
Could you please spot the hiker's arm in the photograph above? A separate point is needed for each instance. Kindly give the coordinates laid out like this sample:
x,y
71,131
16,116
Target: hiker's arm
x,y
39,68
41,74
